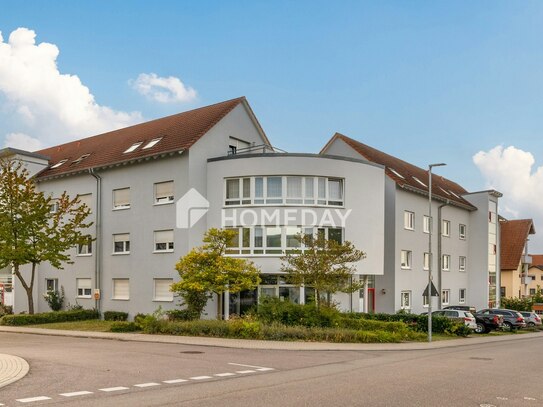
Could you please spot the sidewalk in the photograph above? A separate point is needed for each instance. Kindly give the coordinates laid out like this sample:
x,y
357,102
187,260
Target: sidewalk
x,y
12,368
274,345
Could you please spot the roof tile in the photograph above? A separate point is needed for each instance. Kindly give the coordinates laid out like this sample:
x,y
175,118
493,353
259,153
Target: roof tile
x,y
513,236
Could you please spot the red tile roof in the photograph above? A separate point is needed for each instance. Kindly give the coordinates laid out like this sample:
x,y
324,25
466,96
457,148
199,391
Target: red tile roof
x,y
537,261
513,236
403,172
178,132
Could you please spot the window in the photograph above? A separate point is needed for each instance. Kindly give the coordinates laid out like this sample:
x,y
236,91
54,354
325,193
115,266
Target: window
x,y
462,296
75,162
405,259
462,231
59,164
294,190
491,248
121,243
273,240
121,289
462,263
420,182
274,190
121,198
85,199
409,220
84,288
426,221
133,147
84,249
164,192
152,143
446,262
445,294
425,301
335,234
502,292
54,206
446,228
532,291
51,284
164,241
335,192
426,261
396,173
238,191
405,300
162,289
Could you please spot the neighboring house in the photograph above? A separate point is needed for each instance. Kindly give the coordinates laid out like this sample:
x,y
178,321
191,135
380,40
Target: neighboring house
x,y
515,261
465,250
535,272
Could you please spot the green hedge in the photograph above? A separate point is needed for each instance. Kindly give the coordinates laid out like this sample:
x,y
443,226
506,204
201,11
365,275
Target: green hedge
x,y
415,322
123,326
115,316
49,317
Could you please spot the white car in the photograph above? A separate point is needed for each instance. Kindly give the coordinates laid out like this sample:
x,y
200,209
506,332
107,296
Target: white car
x,y
469,319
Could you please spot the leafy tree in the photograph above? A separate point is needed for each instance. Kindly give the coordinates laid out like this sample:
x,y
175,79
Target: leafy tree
x,y
323,264
30,232
206,270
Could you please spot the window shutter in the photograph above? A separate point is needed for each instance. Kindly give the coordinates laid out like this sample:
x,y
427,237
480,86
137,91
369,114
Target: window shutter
x,y
121,197
86,199
121,289
164,236
164,189
84,283
125,237
162,289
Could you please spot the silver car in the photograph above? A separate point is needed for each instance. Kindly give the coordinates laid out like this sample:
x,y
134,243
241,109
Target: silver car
x,y
469,319
531,318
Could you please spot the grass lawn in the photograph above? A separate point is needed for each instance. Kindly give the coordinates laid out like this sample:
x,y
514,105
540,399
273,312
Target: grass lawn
x,y
89,325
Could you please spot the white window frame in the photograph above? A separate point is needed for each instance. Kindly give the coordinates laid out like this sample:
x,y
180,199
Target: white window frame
x,y
426,261
446,262
54,206
169,244
133,147
151,143
445,297
166,199
126,244
462,261
406,259
405,295
462,233
157,298
446,228
55,284
118,207
426,224
84,250
83,290
409,220
425,303
462,296
114,295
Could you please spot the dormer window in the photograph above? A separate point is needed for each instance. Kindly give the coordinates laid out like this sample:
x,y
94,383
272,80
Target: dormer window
x,y
152,143
454,194
75,162
59,163
392,170
133,147
420,182
444,191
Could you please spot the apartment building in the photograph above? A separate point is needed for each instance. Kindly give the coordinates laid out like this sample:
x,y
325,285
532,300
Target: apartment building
x,y
133,180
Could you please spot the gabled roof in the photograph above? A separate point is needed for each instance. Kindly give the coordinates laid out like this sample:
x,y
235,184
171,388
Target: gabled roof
x,y
177,133
406,175
537,261
10,151
513,237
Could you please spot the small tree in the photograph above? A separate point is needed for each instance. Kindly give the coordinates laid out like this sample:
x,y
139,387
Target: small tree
x,y
206,270
30,232
325,265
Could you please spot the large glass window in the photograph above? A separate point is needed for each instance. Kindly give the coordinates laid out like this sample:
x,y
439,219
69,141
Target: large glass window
x,y
273,240
294,190
121,243
274,190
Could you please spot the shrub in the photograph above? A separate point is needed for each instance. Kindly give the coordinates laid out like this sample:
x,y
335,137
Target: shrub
x,y
55,299
5,310
182,315
49,317
123,326
272,309
115,316
418,323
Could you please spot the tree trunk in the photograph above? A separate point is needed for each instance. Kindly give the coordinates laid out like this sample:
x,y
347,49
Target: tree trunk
x,y
28,288
30,296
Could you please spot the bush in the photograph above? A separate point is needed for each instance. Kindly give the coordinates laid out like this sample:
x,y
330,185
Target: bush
x,y
5,310
115,316
123,326
271,309
55,299
182,315
49,317
418,323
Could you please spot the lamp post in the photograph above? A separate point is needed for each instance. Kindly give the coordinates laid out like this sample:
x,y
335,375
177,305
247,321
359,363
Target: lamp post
x,y
429,292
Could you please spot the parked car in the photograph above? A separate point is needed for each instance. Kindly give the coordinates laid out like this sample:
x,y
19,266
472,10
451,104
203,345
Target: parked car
x,y
531,318
511,319
469,319
487,322
462,307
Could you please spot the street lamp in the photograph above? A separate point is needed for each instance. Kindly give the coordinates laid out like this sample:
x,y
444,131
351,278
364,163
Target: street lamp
x,y
429,292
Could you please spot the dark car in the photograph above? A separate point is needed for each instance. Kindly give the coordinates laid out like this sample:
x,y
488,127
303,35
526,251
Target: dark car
x,y
487,322
511,319
468,308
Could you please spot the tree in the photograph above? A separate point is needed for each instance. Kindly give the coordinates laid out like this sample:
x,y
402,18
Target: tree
x,y
206,270
32,233
323,264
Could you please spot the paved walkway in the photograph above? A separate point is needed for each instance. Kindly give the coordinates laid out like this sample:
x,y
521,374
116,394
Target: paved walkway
x,y
12,368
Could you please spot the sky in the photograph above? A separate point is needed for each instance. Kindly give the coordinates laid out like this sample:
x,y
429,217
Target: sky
x,y
456,82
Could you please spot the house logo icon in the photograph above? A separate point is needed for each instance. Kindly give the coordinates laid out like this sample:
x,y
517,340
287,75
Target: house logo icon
x,y
190,208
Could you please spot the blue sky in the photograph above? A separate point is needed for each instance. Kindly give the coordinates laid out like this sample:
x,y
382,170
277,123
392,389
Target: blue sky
x,y
424,81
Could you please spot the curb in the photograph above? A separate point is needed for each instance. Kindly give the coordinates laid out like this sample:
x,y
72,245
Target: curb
x,y
12,368
271,345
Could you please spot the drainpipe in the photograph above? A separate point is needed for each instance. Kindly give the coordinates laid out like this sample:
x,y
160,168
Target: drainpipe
x,y
439,260
98,254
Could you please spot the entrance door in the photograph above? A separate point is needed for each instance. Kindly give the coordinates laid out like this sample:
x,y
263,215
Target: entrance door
x,y
371,300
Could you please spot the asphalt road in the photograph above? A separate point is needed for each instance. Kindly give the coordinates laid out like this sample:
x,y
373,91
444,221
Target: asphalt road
x,y
85,372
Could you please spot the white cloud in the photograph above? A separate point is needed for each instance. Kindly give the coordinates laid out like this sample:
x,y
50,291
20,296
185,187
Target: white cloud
x,y
23,142
163,90
52,106
512,172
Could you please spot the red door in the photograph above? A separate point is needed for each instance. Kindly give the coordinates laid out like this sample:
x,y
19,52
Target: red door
x,y
371,300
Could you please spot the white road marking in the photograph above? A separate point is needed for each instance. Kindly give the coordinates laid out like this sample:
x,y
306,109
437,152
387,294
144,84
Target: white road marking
x,y
175,381
147,384
108,389
529,398
75,393
259,368
487,405
224,374
200,377
245,371
32,399
502,398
